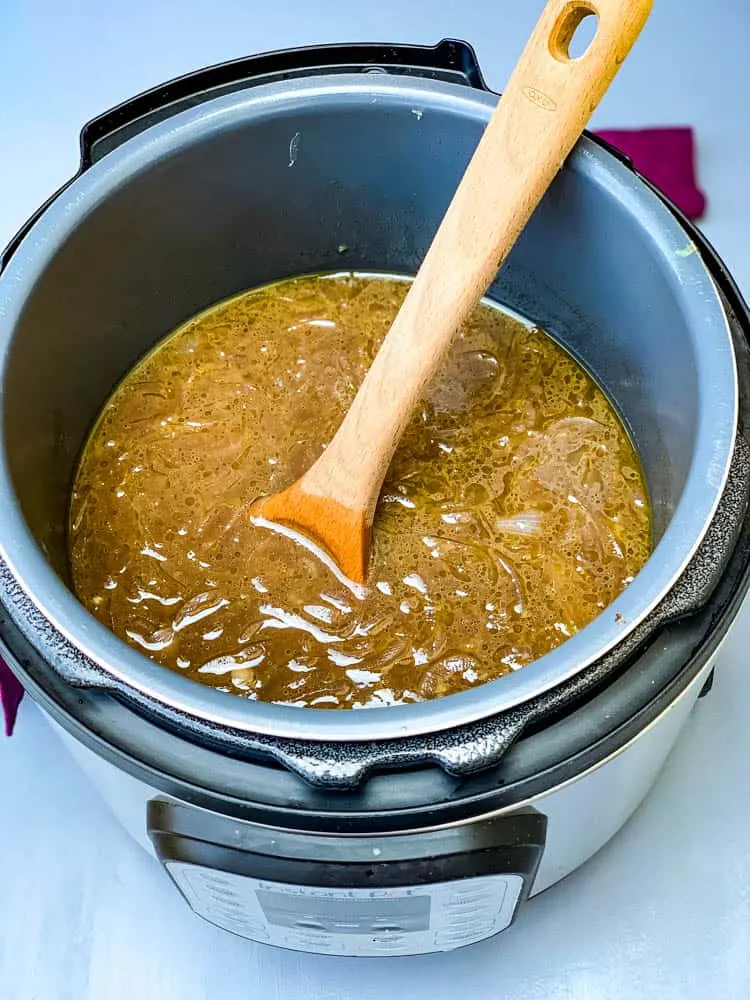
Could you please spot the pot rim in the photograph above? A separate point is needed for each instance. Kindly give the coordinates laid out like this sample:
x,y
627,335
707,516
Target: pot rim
x,y
147,680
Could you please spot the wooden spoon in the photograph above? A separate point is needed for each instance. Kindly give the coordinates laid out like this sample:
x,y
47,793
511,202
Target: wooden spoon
x,y
545,107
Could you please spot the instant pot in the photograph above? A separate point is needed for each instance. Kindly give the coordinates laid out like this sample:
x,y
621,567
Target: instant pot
x,y
398,830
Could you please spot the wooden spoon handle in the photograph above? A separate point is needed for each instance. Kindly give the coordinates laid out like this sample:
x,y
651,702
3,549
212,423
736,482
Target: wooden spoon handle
x,y
545,107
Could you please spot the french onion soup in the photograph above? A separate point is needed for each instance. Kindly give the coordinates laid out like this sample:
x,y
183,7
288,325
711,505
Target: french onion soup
x,y
514,511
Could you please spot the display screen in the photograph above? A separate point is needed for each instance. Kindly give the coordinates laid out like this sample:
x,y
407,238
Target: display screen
x,y
346,916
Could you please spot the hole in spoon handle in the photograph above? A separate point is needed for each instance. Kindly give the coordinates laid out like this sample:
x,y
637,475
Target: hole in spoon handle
x,y
566,27
616,24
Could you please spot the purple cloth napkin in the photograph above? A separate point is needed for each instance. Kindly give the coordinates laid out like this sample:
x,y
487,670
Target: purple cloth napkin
x,y
666,157
11,693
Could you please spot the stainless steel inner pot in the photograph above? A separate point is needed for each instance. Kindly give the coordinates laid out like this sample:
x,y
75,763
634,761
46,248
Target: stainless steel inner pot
x,y
336,172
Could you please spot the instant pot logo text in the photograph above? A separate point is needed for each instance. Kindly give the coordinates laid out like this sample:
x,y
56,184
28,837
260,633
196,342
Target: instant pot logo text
x,y
318,893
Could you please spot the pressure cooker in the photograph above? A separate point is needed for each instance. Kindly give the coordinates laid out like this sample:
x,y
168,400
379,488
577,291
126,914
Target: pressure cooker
x,y
406,829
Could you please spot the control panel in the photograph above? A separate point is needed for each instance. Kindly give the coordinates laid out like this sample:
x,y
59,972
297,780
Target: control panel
x,y
408,920
405,893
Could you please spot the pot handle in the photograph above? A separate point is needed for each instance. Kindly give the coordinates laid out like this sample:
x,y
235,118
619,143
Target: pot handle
x,y
451,60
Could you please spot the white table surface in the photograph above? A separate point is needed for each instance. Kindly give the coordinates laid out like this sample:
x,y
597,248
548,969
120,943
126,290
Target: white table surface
x,y
663,912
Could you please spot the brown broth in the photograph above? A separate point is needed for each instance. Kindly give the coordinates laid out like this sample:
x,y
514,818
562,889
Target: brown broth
x,y
513,513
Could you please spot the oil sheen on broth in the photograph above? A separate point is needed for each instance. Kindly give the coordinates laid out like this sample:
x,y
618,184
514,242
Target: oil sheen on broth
x,y
513,513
